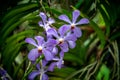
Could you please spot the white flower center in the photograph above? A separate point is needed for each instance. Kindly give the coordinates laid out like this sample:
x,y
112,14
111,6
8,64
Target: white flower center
x,y
40,49
61,40
72,26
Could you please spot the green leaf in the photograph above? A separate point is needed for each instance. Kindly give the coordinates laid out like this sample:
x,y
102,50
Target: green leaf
x,y
19,9
99,32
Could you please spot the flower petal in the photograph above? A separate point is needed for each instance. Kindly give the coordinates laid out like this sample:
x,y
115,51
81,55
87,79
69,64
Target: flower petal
x,y
70,37
83,21
44,77
75,14
38,66
61,54
47,54
64,18
44,62
43,16
59,63
40,40
41,23
63,29
33,74
31,41
51,67
51,21
53,32
33,54
77,32
64,47
72,44
51,43
55,50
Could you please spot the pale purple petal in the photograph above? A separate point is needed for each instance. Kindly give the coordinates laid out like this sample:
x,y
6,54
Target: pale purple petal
x,y
51,43
55,50
53,32
47,54
83,21
70,37
45,77
41,23
33,54
72,44
52,66
75,14
43,16
63,29
77,32
31,41
33,74
40,40
64,18
61,54
51,21
64,47
59,63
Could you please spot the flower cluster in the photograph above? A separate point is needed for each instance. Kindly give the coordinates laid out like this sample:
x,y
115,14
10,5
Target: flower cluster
x,y
55,44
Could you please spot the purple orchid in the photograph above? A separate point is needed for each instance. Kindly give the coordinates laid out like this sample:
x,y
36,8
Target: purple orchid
x,y
3,74
40,71
42,47
64,38
57,62
73,23
45,23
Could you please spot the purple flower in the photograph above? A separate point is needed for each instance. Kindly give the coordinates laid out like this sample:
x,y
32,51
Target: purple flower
x,y
45,23
42,47
40,71
57,62
64,38
73,23
3,74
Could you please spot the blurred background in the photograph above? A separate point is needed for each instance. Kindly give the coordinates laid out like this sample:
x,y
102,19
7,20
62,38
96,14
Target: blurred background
x,y
96,55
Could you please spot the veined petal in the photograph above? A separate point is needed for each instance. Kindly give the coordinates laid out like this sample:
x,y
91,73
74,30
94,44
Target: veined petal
x,y
40,40
43,16
72,44
83,21
41,23
77,32
53,32
64,18
64,47
51,21
47,54
63,29
33,54
44,77
75,14
31,41
33,74
51,67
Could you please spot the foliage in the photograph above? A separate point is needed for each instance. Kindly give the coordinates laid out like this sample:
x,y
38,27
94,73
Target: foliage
x,y
96,55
